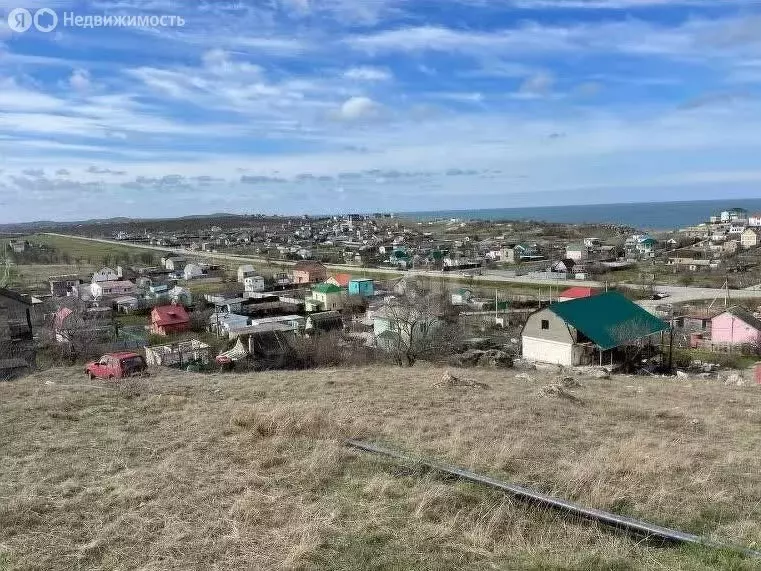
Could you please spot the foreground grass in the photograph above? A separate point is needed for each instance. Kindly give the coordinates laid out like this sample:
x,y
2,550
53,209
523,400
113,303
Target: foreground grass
x,y
186,471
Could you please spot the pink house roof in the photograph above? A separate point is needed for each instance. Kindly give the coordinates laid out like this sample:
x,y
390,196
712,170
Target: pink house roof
x,y
169,315
577,292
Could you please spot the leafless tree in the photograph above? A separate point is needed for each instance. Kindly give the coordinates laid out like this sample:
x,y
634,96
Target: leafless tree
x,y
78,334
421,324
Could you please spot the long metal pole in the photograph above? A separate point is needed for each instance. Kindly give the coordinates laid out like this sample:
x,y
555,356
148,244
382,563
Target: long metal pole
x,y
627,524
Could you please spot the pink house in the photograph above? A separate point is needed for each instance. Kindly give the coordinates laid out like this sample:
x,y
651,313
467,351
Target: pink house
x,y
736,326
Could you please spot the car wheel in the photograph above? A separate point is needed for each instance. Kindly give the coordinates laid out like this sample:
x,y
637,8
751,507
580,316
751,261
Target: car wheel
x,y
90,375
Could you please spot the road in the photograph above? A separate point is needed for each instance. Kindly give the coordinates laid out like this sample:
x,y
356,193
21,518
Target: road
x,y
676,294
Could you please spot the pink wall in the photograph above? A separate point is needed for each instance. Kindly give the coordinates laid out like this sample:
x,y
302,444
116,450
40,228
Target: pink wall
x,y
726,328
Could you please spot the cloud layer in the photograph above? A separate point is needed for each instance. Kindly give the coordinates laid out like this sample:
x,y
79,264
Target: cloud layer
x,y
304,106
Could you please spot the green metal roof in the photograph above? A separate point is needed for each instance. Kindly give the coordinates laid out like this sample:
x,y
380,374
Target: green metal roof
x,y
326,288
608,319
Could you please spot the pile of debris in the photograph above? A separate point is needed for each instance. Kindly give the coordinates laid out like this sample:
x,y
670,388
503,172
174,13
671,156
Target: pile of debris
x,y
493,358
448,381
732,378
560,389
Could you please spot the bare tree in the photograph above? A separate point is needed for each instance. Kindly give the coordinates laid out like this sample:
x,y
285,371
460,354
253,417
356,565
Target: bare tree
x,y
78,334
421,324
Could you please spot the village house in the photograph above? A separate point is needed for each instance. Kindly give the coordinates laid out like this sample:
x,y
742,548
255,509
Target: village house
x,y
586,331
396,327
563,266
309,272
193,271
105,275
253,284
181,296
63,286
736,229
323,322
364,287
245,271
169,319
734,214
750,237
754,220
15,317
734,327
111,288
640,245
326,297
126,303
576,252
462,296
592,243
693,260
524,253
175,263
730,247
340,280
18,246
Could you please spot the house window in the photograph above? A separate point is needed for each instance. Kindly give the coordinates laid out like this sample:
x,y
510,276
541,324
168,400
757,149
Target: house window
x,y
545,323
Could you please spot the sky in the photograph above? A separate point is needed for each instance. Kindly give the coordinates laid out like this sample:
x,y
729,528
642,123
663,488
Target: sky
x,y
335,106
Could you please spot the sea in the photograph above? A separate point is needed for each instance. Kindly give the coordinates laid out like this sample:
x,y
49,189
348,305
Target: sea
x,y
643,215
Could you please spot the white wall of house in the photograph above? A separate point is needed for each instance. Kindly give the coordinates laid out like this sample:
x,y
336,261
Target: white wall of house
x,y
548,351
576,254
245,271
253,283
192,271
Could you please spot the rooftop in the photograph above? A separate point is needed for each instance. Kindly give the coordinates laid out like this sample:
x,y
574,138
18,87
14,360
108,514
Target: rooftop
x,y
608,319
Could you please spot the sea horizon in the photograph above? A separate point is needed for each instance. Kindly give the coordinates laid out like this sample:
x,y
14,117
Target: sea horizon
x,y
641,215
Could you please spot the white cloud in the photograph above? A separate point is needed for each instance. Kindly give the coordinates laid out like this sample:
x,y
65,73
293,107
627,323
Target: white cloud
x,y
537,85
367,73
695,38
79,80
359,108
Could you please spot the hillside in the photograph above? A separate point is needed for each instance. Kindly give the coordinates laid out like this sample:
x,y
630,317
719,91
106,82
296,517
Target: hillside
x,y
187,471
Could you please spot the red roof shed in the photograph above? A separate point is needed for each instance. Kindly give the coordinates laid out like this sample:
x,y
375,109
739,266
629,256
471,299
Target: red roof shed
x,y
168,319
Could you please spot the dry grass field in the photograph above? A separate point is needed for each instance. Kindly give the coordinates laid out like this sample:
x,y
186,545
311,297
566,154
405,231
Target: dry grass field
x,y
190,471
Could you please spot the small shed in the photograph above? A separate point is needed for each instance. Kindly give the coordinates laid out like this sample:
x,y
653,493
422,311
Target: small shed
x,y
323,322
168,319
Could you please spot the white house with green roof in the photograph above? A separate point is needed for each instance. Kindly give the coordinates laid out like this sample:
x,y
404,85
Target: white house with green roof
x,y
326,297
580,331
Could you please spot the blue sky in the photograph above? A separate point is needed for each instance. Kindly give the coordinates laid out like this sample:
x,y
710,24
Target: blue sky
x,y
294,106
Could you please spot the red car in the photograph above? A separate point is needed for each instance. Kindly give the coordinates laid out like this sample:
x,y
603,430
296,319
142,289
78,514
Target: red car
x,y
116,366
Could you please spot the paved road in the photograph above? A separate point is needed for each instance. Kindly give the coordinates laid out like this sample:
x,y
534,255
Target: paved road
x,y
676,294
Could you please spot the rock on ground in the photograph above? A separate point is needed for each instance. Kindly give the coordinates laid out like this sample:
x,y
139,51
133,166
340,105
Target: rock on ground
x,y
557,390
448,380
